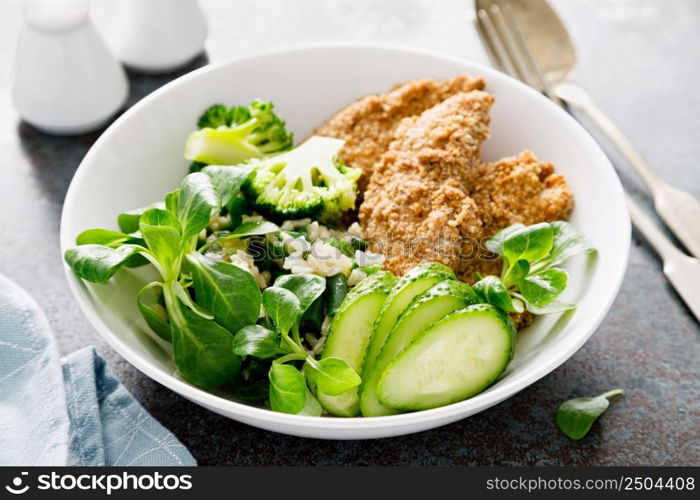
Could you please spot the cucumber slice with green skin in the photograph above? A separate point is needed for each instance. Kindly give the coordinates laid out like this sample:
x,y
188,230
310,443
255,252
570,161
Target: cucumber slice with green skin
x,y
349,334
457,358
416,281
423,312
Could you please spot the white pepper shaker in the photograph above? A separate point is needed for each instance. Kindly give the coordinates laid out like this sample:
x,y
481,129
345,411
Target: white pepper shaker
x,y
66,80
152,36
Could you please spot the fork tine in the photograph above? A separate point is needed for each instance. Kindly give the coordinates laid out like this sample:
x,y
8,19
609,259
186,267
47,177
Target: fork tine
x,y
529,67
492,41
488,44
505,32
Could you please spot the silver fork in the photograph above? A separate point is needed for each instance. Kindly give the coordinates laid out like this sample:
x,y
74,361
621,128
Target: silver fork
x,y
506,48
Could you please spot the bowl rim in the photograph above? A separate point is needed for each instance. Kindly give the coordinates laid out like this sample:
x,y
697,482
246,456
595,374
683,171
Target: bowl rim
x,y
444,414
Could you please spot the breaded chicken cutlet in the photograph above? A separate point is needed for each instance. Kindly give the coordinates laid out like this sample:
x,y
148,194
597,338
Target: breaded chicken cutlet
x,y
417,206
427,195
430,198
368,125
515,189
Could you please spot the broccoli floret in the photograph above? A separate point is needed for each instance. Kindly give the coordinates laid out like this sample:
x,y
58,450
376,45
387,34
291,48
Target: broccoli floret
x,y
214,117
308,181
232,135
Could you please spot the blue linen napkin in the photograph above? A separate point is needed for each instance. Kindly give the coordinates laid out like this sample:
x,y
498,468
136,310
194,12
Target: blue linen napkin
x,y
71,411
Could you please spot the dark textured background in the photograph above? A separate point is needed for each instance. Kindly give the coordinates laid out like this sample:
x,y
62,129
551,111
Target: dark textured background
x,y
637,58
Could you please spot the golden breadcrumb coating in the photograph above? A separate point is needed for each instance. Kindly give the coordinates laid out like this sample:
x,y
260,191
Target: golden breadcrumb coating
x,y
431,199
520,189
416,206
368,125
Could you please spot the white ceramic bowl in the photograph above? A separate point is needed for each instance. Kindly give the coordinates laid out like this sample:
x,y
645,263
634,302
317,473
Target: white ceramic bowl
x,y
139,158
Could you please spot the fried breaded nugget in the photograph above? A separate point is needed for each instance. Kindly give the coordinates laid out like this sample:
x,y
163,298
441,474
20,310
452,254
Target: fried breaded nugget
x,y
515,189
368,125
416,207
520,189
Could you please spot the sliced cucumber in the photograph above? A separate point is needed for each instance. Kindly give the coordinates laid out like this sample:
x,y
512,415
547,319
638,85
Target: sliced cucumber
x,y
416,281
423,312
349,334
457,358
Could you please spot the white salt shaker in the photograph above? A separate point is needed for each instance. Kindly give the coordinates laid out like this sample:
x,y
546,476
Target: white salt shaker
x,y
152,36
66,80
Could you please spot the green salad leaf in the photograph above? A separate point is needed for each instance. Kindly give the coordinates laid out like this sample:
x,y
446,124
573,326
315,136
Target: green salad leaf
x,y
306,287
161,231
257,341
568,242
228,292
153,312
197,202
201,347
129,221
332,375
529,279
283,307
312,408
495,243
287,388
98,263
491,290
529,243
107,237
227,181
543,287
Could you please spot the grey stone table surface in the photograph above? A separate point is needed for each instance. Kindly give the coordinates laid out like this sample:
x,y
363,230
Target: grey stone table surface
x,y
638,58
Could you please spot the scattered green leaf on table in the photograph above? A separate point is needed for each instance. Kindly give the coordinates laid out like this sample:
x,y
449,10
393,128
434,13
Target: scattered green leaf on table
x,y
576,416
